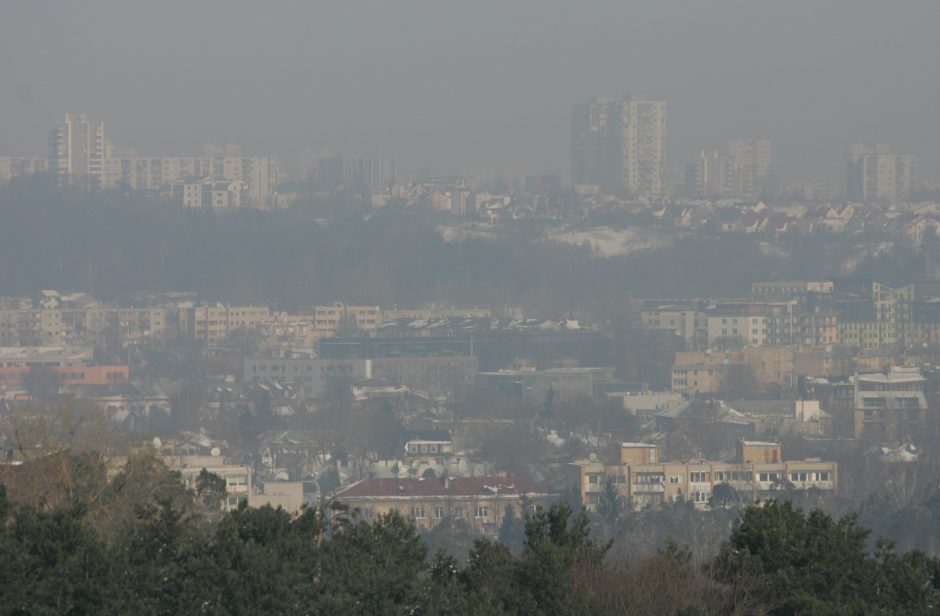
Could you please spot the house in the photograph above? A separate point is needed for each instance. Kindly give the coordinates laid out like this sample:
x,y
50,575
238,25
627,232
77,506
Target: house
x,y
429,443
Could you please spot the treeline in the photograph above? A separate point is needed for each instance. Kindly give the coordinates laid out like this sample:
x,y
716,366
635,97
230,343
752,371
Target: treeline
x,y
114,244
166,560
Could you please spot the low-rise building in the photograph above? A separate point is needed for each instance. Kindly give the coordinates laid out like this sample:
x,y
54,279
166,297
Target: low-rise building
x,y
644,480
57,366
695,379
480,502
890,405
237,476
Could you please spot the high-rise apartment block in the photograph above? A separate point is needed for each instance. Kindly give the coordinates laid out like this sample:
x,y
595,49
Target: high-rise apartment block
x,y
706,177
744,172
748,169
82,157
78,151
619,144
874,174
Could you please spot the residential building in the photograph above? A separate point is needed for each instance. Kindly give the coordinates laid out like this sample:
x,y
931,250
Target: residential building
x,y
788,289
18,166
874,174
441,366
695,379
213,323
342,319
79,320
644,480
706,177
729,329
748,168
288,495
619,144
480,502
539,385
218,194
62,365
78,152
316,375
689,323
237,476
891,405
428,444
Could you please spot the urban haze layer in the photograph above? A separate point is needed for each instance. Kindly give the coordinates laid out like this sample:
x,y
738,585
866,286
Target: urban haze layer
x,y
515,316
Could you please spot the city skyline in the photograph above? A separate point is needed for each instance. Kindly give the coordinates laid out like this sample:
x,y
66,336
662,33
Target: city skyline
x,y
392,97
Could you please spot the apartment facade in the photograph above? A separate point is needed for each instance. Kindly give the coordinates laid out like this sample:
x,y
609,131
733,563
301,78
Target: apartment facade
x,y
874,174
18,166
619,144
78,151
890,405
644,481
749,330
748,170
212,323
480,502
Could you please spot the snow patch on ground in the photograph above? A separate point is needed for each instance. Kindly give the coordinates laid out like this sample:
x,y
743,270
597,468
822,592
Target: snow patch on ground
x,y
452,233
610,242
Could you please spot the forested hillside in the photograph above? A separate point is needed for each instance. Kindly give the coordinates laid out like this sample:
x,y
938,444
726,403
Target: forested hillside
x,y
114,245
172,555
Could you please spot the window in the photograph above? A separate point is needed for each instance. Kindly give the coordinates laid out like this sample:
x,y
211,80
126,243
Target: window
x,y
675,479
438,513
417,513
824,476
698,476
700,497
481,511
594,479
369,513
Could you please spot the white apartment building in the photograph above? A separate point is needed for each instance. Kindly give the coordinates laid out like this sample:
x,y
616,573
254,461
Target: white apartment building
x,y
875,174
619,144
78,151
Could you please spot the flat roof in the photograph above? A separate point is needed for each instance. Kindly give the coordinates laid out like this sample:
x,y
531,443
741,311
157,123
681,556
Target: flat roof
x,y
45,352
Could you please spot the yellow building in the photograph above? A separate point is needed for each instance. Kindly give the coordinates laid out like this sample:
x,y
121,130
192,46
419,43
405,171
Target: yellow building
x,y
339,316
693,379
758,472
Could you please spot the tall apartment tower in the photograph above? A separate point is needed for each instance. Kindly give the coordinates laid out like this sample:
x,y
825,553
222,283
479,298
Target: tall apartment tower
x,y
707,176
619,144
594,143
874,174
78,152
748,167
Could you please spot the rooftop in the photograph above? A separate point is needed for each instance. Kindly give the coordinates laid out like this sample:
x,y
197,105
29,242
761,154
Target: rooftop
x,y
455,486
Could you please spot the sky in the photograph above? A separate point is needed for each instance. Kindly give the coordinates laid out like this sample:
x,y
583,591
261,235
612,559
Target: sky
x,y
447,85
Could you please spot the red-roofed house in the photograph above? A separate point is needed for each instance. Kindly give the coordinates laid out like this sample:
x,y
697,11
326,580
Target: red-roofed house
x,y
479,501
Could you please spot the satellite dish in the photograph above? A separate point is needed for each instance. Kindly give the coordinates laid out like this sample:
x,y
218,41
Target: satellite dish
x,y
157,443
216,452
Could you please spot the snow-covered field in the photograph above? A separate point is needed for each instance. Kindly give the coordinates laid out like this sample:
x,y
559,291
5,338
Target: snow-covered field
x,y
604,241
610,242
452,233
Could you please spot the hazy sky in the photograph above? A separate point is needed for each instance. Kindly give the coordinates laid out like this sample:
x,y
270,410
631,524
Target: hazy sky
x,y
486,83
